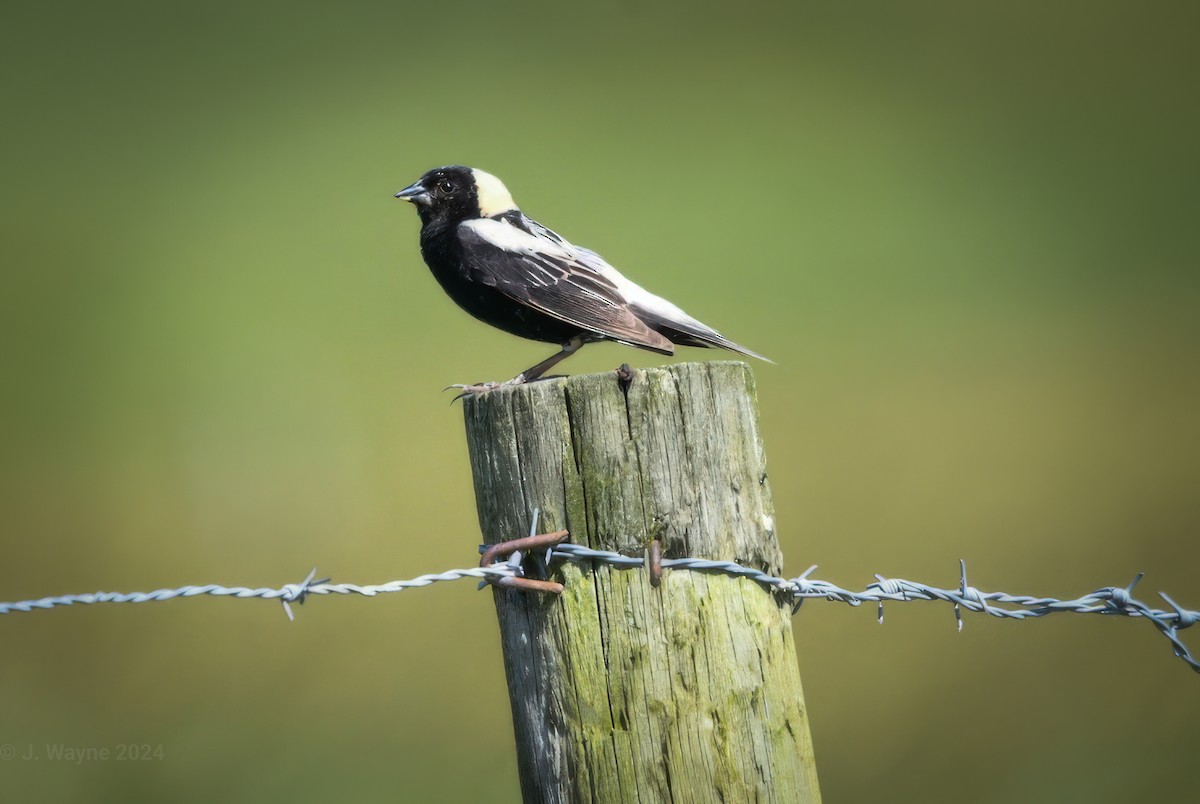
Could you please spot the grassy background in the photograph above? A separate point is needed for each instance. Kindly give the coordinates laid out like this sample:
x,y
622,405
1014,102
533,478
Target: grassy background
x,y
967,233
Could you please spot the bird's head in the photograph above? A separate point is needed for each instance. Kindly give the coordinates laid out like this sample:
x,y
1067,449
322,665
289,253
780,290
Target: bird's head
x,y
457,193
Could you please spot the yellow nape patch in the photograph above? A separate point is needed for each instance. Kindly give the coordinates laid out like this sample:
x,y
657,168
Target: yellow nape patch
x,y
493,195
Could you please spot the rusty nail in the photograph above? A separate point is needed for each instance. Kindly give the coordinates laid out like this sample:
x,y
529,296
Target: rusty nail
x,y
529,584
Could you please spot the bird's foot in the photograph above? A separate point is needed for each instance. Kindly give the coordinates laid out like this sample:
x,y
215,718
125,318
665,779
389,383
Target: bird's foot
x,y
483,387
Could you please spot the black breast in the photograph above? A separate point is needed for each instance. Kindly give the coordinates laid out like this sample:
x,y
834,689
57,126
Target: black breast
x,y
444,254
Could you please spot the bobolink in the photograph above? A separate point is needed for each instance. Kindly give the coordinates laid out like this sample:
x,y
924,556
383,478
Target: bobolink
x,y
509,271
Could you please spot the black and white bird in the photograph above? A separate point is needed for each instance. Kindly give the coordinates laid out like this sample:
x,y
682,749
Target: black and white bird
x,y
509,271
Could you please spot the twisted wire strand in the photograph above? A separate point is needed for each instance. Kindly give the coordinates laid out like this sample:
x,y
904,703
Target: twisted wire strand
x,y
1105,601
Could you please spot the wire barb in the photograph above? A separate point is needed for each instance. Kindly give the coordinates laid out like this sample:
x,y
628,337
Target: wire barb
x,y
296,592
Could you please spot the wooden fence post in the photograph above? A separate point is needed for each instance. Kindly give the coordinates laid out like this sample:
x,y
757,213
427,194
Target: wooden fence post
x,y
621,691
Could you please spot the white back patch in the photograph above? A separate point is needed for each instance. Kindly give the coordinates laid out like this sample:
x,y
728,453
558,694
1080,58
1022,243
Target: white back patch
x,y
493,196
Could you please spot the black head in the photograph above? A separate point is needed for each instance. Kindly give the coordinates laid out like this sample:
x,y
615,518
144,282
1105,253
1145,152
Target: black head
x,y
457,193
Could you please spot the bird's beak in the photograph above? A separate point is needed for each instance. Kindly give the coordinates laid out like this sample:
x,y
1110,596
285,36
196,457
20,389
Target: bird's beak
x,y
414,193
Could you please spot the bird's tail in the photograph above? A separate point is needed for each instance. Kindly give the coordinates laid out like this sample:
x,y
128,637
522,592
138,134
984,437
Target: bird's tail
x,y
687,331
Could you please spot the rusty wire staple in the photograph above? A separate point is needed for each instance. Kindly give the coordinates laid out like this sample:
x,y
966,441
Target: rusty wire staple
x,y
514,550
655,562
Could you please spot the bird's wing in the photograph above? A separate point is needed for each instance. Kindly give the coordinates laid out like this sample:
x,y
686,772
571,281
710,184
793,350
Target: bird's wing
x,y
663,316
534,266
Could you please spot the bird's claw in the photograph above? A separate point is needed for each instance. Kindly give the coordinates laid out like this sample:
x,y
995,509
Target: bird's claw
x,y
470,390
482,387
476,388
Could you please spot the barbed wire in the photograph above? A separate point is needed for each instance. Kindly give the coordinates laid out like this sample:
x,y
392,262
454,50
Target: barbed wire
x,y
287,594
1106,601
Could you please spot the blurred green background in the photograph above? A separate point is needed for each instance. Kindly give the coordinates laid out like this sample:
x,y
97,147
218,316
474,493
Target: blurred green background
x,y
966,233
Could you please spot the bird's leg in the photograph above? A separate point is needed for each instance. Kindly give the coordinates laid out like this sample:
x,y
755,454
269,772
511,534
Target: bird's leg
x,y
531,374
535,372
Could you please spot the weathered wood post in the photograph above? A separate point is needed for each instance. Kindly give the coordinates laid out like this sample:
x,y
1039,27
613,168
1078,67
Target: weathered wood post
x,y
622,691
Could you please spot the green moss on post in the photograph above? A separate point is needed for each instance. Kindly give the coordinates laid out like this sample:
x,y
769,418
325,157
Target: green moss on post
x,y
622,691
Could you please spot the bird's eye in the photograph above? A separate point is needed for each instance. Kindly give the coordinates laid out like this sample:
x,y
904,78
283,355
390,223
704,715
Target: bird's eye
x,y
446,186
